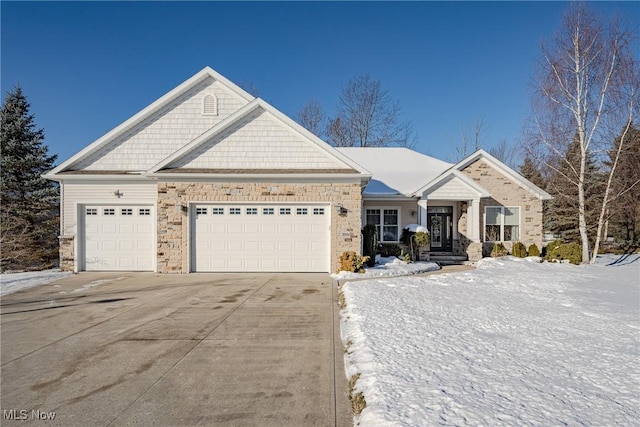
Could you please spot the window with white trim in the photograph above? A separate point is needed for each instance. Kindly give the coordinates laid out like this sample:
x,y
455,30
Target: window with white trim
x,y
108,212
318,211
386,222
234,211
252,211
285,211
267,211
126,211
502,224
301,211
92,211
217,211
144,211
201,211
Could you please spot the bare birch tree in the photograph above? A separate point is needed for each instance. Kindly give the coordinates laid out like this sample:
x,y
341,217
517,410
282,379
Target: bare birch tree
x,y
585,85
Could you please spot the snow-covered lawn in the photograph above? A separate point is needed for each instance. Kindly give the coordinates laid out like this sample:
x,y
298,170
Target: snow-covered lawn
x,y
510,343
389,267
14,282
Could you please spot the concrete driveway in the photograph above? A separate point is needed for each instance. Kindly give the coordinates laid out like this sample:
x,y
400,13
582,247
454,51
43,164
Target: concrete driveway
x,y
173,350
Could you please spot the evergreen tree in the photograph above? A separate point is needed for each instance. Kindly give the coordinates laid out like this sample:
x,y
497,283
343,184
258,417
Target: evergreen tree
x,y
562,210
624,223
530,170
29,205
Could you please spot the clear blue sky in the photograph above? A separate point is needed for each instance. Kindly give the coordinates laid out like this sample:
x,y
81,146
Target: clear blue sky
x,y
88,66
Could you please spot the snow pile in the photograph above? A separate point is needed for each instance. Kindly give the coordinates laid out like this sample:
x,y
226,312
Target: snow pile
x,y
389,267
416,228
14,282
511,343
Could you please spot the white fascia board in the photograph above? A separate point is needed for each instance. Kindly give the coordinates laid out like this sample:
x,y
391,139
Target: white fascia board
x,y
296,177
224,124
450,174
98,177
150,109
383,197
505,170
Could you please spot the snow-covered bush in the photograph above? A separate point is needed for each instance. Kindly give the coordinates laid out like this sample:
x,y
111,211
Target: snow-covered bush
x,y
498,250
518,249
351,261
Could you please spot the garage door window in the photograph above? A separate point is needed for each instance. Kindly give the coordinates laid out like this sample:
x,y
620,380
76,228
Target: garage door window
x,y
318,211
92,211
126,211
109,212
217,211
201,211
144,212
285,211
267,211
301,211
234,211
252,211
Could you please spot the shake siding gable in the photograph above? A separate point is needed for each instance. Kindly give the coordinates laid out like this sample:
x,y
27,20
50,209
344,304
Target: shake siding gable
x,y
164,132
259,141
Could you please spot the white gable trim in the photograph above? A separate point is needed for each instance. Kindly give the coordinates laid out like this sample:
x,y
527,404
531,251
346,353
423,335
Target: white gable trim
x,y
243,112
150,110
505,170
474,188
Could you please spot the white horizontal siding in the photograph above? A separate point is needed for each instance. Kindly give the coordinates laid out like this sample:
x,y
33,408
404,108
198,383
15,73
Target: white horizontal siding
x,y
164,132
260,141
102,193
453,189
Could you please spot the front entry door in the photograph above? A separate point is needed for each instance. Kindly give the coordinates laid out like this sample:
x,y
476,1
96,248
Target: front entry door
x,y
441,229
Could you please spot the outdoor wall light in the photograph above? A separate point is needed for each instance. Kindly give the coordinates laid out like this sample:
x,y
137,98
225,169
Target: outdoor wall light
x,y
464,207
181,207
340,210
118,194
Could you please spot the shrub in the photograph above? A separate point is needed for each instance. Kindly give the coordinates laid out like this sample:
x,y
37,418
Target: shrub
x,y
498,250
389,249
415,241
369,243
571,252
559,251
351,261
551,248
519,250
533,250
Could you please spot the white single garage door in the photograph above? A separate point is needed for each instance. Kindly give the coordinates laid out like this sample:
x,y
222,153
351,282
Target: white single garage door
x,y
252,237
118,238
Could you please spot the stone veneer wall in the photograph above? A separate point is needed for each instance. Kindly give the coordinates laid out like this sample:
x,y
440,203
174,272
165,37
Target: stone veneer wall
x,y
173,249
66,253
506,192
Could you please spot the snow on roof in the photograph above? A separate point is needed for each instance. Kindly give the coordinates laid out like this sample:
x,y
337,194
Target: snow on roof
x,y
396,170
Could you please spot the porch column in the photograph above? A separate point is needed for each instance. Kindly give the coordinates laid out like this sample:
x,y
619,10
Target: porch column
x,y
474,221
422,212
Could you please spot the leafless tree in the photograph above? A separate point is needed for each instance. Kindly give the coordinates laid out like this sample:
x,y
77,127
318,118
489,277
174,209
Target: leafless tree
x,y
367,116
471,140
313,118
509,154
585,88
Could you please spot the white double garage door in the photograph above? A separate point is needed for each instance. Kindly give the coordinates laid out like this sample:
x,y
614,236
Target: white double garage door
x,y
223,238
